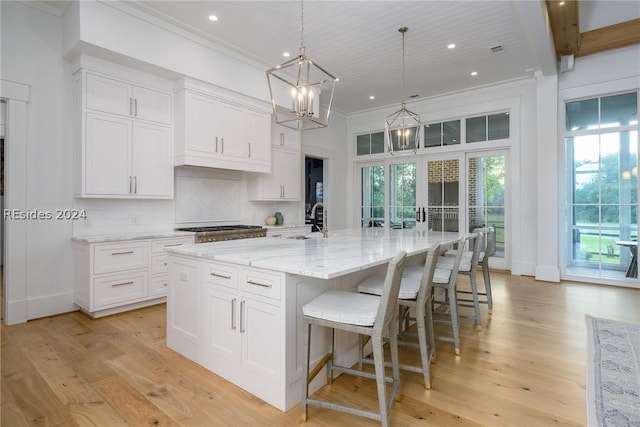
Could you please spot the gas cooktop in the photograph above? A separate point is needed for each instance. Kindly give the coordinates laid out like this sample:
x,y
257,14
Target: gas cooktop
x,y
219,228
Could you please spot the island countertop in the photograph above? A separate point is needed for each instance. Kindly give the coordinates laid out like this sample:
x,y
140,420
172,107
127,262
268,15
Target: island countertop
x,y
343,252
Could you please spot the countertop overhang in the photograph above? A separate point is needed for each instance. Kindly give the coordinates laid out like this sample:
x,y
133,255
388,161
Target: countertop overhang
x,y
343,252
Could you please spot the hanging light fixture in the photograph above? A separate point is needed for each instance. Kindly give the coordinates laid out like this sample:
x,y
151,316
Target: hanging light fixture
x,y
403,127
305,81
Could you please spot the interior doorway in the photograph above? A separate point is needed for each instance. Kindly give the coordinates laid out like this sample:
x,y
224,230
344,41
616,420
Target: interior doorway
x,y
314,190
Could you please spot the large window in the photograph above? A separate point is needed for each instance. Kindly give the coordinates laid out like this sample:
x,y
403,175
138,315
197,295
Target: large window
x,y
602,200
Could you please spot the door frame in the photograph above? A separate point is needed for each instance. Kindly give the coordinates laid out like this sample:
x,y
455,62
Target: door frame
x,y
14,293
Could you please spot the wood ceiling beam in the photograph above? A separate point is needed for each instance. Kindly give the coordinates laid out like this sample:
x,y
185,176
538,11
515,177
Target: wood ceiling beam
x,y
611,37
563,17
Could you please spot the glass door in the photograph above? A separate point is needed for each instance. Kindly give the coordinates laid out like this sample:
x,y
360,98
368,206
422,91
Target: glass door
x,y
402,194
372,200
444,186
486,197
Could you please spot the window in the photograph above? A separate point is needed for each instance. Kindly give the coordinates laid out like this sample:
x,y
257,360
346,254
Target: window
x,y
602,174
444,133
488,128
370,143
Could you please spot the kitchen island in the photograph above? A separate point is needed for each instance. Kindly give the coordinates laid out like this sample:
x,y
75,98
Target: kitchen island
x,y
234,307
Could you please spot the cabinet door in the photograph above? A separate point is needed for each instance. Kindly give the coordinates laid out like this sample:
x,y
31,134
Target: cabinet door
x,y
109,95
262,329
282,137
202,133
233,142
259,132
108,155
149,104
289,166
221,330
152,160
184,298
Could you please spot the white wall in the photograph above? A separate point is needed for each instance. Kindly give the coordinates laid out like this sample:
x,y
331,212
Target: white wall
x,y
31,54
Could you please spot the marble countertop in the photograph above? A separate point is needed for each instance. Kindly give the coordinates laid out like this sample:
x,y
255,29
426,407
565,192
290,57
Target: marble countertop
x,y
343,252
103,238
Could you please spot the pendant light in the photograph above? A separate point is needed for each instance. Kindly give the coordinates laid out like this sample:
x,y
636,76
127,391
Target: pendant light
x,y
403,127
304,81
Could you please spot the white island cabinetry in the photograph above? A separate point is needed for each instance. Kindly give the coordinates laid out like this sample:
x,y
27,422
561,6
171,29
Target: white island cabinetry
x,y
235,307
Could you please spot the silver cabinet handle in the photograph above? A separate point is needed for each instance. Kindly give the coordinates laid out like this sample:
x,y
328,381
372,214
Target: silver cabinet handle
x,y
172,244
131,106
121,284
249,149
216,144
214,274
122,253
135,185
233,314
281,138
264,285
242,304
222,145
130,185
135,107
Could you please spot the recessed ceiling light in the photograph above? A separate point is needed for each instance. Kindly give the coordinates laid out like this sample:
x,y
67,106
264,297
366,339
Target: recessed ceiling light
x,y
286,54
372,97
561,3
213,18
451,46
474,73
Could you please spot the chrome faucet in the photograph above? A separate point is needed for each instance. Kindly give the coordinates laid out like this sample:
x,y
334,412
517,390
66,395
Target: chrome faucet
x,y
325,217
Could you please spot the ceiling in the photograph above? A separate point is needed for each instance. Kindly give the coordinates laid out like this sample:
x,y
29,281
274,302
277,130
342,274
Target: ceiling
x,y
359,41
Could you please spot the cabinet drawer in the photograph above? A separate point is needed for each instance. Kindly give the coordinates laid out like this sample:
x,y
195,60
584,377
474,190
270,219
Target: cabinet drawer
x,y
158,245
159,264
117,288
110,258
159,285
260,283
223,275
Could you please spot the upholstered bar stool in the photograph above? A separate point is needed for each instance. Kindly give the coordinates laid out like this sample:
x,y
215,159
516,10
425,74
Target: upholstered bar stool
x,y
445,278
468,267
489,250
366,315
414,294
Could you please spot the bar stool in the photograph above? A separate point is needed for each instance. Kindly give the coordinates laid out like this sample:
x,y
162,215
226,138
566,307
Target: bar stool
x,y
363,314
468,267
415,293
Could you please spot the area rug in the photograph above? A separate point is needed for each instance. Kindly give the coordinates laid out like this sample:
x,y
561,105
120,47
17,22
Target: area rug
x,y
613,373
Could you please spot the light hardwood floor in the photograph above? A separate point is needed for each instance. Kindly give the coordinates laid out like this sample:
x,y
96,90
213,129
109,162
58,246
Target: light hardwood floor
x,y
525,368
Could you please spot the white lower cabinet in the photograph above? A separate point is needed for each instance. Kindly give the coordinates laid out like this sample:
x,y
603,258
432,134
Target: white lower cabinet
x,y
240,334
111,277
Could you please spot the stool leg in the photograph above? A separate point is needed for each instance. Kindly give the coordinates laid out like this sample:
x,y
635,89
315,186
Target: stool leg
x,y
378,357
422,343
453,310
306,333
487,285
476,302
431,334
331,359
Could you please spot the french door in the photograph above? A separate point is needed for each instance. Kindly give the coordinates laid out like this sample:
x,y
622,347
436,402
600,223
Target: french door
x,y
453,192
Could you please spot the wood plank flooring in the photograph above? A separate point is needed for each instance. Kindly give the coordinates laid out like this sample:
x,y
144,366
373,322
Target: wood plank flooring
x,y
525,368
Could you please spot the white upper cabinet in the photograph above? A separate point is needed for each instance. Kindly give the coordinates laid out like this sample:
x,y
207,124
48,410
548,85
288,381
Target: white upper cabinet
x,y
124,137
219,130
119,97
284,183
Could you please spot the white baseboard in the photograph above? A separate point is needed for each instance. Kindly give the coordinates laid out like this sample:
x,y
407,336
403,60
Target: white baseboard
x,y
15,312
547,273
50,305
